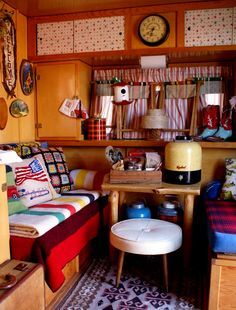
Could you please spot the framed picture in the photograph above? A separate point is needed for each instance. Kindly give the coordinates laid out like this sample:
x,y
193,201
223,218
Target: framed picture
x,y
26,77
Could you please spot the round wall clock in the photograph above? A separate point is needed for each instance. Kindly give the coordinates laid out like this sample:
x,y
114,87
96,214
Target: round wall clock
x,y
153,29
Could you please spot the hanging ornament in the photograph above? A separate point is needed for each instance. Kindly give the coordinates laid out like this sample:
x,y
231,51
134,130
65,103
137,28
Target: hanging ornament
x,y
121,94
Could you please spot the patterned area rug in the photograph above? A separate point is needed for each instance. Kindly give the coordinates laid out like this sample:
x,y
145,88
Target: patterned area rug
x,y
137,290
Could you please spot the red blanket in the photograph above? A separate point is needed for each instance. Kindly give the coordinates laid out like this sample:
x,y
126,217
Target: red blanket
x,y
62,243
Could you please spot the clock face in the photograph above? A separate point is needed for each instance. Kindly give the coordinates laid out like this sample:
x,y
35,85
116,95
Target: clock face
x,y
153,30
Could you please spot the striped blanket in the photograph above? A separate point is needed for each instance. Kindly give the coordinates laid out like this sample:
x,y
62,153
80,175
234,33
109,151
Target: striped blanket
x,y
39,219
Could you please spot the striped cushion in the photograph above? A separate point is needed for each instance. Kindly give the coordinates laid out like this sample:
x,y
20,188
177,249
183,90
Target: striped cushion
x,y
221,216
87,179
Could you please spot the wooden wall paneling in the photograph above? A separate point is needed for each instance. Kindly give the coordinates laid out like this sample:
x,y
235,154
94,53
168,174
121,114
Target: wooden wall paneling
x,y
19,129
180,28
213,163
26,124
4,223
86,157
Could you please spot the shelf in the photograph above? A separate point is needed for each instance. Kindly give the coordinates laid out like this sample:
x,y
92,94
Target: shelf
x,y
134,143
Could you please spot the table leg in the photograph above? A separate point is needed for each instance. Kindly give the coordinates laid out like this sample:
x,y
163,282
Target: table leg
x,y
120,267
187,228
114,205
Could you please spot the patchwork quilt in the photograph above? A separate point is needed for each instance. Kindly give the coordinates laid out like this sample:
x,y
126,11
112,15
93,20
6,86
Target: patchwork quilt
x,y
40,218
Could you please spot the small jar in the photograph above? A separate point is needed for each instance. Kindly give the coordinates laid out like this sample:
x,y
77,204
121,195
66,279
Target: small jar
x,y
138,210
168,211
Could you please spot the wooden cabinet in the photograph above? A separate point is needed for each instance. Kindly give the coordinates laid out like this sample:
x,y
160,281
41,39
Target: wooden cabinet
x,y
102,38
81,35
222,283
28,291
213,27
4,223
55,83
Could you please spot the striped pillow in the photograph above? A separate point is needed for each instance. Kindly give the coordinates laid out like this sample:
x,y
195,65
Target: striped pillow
x,y
87,179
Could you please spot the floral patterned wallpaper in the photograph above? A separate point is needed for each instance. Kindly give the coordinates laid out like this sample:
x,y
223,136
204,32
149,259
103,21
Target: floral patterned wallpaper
x,y
210,27
55,38
83,35
99,34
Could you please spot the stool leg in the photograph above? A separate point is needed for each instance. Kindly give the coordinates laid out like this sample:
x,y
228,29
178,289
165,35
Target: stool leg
x,y
165,271
120,266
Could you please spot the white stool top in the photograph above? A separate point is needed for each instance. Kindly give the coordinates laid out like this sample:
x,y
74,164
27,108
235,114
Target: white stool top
x,y
146,236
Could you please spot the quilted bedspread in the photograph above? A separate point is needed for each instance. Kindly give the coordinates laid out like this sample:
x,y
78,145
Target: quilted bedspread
x,y
39,219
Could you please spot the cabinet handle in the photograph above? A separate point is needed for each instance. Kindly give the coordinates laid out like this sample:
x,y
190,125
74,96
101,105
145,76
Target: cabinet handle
x,y
4,187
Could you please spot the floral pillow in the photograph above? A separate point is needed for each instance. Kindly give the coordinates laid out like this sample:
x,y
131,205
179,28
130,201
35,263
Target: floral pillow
x,y
15,205
55,162
33,182
228,191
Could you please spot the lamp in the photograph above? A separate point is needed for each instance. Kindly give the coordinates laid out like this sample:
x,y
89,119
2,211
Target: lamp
x,y
155,121
8,157
155,61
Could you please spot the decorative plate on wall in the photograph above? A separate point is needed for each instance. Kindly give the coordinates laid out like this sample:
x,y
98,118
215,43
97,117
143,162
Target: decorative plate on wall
x,y
26,77
18,108
3,113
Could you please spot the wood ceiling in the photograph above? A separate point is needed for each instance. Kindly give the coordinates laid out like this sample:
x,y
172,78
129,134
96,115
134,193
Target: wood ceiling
x,y
54,7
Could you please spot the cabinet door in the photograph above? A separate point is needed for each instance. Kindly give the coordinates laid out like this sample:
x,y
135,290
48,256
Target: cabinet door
x,y
55,38
209,27
55,83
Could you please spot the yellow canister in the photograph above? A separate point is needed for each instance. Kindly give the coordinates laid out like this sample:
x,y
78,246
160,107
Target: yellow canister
x,y
183,161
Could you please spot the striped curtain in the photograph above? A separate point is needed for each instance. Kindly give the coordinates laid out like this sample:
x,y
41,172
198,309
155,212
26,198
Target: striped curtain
x,y
177,110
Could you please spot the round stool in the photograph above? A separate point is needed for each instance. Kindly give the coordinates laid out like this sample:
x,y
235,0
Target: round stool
x,y
147,237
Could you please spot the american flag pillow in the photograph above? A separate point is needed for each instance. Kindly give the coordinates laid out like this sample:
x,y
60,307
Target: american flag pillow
x,y
32,182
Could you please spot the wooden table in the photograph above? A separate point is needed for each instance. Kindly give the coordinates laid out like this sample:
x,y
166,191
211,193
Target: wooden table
x,y
188,191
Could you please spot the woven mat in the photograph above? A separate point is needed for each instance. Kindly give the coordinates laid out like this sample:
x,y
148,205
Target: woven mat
x,y
140,288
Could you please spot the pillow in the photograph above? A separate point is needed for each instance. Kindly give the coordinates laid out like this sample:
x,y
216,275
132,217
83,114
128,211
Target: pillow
x,y
87,179
15,205
32,182
228,191
56,165
22,148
